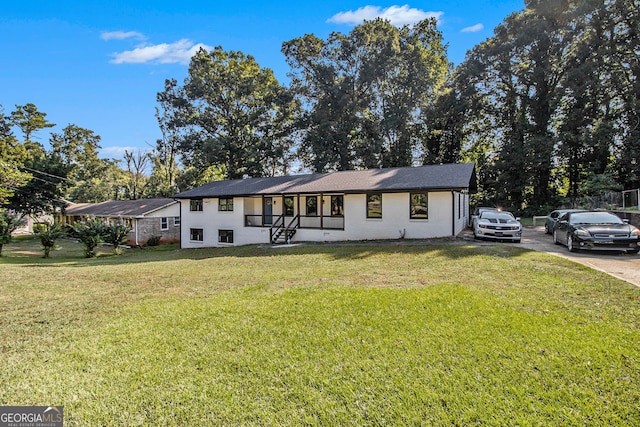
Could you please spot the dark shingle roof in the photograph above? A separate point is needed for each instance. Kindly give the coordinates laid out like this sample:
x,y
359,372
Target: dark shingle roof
x,y
433,177
117,208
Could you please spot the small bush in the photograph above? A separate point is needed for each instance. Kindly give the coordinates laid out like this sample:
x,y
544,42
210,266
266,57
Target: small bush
x,y
90,233
48,234
116,235
154,241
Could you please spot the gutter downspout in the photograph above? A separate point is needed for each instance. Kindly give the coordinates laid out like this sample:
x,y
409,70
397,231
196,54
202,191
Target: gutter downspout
x,y
180,231
453,213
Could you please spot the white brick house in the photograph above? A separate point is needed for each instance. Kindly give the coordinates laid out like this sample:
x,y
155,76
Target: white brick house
x,y
411,202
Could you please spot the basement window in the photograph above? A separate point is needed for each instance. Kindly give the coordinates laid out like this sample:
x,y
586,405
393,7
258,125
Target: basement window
x,y
225,236
196,234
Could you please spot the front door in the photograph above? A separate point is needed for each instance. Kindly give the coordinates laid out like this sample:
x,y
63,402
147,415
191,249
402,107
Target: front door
x,y
267,209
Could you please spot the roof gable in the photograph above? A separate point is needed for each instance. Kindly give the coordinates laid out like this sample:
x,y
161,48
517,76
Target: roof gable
x,y
433,177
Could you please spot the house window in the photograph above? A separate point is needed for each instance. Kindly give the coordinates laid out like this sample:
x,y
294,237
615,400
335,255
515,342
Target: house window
x,y
164,223
312,205
337,205
374,205
464,205
176,221
288,206
225,236
419,206
225,204
196,234
195,205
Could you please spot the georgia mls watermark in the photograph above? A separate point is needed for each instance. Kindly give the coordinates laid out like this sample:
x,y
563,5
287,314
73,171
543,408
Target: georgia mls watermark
x,y
31,416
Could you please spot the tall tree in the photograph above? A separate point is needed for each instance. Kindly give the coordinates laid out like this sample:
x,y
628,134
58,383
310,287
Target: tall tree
x,y
231,113
364,93
44,190
29,120
12,155
165,156
624,42
136,169
91,178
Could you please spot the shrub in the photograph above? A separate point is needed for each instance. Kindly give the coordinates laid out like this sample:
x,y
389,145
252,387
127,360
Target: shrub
x,y
48,234
154,240
90,233
116,235
8,223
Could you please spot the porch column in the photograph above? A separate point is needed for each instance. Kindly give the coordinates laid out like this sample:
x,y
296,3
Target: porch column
x,y
321,211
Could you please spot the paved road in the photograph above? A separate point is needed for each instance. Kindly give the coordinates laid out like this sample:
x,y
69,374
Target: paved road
x,y
622,266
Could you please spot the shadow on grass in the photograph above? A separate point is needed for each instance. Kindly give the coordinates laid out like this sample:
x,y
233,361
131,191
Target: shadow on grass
x,y
70,253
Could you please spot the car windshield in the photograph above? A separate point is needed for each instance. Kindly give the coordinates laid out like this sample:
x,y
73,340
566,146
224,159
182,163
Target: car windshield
x,y
497,215
594,218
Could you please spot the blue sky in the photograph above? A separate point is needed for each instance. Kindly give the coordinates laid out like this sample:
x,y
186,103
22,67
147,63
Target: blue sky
x,y
100,64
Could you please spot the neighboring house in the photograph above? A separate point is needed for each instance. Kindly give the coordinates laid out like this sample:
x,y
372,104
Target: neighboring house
x,y
147,217
28,222
411,202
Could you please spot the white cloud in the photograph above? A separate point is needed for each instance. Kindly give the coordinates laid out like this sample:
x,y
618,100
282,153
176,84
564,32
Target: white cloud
x,y
164,53
397,15
121,35
116,151
473,28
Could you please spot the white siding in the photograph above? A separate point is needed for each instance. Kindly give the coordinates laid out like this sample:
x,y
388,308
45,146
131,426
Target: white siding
x,y
395,220
168,211
211,220
448,214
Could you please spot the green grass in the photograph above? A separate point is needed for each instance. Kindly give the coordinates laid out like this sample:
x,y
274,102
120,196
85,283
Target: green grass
x,y
319,335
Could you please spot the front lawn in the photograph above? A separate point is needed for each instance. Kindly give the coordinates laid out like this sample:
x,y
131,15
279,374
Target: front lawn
x,y
384,334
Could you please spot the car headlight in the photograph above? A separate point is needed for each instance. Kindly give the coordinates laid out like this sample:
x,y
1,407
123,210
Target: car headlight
x,y
635,232
581,232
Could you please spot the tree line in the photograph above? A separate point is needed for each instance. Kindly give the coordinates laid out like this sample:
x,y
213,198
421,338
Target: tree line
x,y
547,108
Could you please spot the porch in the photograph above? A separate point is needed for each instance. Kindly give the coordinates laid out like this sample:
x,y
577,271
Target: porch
x,y
285,214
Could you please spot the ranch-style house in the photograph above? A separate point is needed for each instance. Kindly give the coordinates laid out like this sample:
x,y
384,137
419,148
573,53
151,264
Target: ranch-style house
x,y
148,218
407,202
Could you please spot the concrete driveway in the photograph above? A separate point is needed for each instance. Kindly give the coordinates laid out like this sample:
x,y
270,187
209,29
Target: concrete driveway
x,y
623,266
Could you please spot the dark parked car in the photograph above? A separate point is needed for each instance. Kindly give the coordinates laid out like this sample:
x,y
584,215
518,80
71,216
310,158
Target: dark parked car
x,y
553,217
596,230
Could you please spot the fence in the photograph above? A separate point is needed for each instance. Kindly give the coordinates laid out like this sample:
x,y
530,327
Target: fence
x,y
628,199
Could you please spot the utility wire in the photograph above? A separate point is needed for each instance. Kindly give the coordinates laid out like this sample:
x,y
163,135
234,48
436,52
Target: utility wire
x,y
44,173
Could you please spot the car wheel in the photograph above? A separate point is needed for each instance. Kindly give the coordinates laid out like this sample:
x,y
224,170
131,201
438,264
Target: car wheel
x,y
546,229
570,245
555,238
